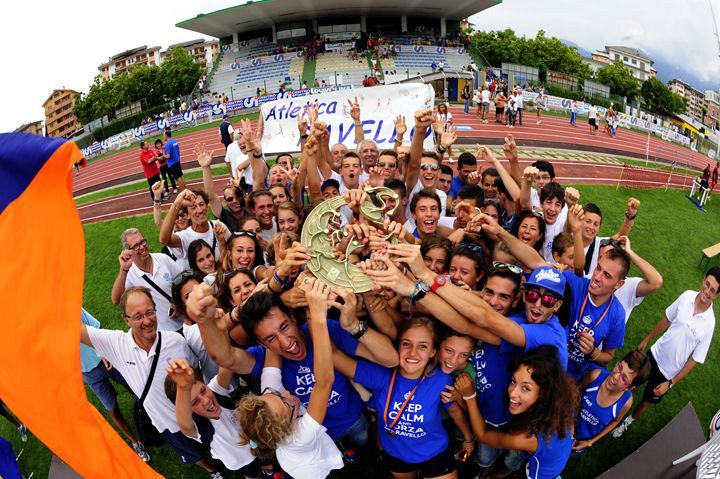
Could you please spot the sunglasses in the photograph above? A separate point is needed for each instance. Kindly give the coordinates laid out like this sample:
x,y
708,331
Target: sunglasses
x,y
429,166
610,242
182,276
548,300
510,267
382,164
230,199
287,401
181,214
475,248
244,233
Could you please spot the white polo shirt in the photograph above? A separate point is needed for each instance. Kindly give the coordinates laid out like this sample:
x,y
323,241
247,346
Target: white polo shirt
x,y
688,335
163,273
134,364
191,332
551,231
235,156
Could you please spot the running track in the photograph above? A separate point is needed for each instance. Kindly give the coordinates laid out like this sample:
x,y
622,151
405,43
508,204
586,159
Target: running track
x,y
553,132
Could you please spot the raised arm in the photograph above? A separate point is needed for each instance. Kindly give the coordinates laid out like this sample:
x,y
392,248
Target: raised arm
x,y
184,199
309,156
575,218
355,115
526,182
204,159
652,279
125,260
182,374
400,130
511,154
157,188
201,307
318,295
423,120
630,214
484,154
255,154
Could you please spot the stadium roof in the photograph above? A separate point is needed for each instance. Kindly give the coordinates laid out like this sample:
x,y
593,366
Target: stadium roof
x,y
264,13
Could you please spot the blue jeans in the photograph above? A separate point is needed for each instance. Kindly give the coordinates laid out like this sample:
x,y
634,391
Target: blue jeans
x,y
357,434
99,381
467,105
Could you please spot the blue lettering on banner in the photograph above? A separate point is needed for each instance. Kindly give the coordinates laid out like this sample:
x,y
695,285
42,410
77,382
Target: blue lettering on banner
x,y
440,50
419,49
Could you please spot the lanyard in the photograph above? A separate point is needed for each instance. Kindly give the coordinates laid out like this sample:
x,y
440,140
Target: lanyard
x,y
607,308
392,425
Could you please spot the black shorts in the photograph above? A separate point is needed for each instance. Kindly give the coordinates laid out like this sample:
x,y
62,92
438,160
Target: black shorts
x,y
250,470
175,170
443,463
591,122
188,450
655,378
499,110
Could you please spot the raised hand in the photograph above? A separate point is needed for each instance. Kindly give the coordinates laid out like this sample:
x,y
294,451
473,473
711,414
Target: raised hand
x,y
384,273
529,174
201,304
303,123
354,110
203,155
184,199
510,148
572,196
575,218
484,154
400,126
410,255
219,230
348,307
125,259
317,294
295,257
376,177
448,137
632,207
181,373
157,188
424,118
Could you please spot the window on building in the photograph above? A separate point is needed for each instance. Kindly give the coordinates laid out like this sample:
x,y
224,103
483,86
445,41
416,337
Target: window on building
x,y
642,65
625,59
634,62
617,57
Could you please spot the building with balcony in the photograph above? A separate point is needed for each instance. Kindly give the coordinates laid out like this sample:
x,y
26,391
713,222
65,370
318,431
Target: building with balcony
x,y
695,98
123,61
200,50
60,119
712,102
636,61
34,127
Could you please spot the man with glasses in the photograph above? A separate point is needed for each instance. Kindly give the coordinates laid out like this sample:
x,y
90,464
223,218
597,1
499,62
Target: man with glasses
x,y
687,329
155,271
133,352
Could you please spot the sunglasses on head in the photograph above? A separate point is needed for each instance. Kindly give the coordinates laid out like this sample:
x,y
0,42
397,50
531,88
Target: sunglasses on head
x,y
244,233
610,242
182,277
475,248
546,299
510,267
429,166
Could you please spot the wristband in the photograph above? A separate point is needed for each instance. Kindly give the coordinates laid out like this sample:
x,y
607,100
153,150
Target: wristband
x,y
255,155
469,441
358,123
302,137
472,396
157,202
630,218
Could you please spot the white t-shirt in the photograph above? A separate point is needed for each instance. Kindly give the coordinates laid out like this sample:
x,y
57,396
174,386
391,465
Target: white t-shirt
x,y
189,235
194,341
235,156
267,234
225,442
164,271
627,295
485,96
534,198
688,335
592,113
308,453
519,101
596,254
418,186
551,231
134,364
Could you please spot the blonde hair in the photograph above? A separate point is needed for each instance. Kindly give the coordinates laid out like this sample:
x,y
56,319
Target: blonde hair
x,y
260,428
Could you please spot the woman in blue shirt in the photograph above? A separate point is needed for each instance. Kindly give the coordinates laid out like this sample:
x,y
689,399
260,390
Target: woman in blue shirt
x,y
409,404
543,402
607,397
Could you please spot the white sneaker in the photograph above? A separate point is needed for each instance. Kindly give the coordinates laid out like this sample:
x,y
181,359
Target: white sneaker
x,y
538,122
23,432
620,430
140,451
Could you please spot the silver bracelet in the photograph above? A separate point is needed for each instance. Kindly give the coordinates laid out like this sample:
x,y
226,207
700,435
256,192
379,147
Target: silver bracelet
x,y
472,396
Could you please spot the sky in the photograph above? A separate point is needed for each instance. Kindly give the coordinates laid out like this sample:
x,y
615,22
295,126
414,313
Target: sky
x,y
43,54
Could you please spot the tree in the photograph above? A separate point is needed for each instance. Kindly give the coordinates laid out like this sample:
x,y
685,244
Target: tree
x,y
178,74
620,80
658,98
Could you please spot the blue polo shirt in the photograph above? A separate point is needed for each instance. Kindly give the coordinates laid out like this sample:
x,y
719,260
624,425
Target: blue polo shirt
x,y
344,404
550,457
172,148
455,186
610,332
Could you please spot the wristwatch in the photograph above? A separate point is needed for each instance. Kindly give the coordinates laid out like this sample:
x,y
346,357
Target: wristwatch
x,y
670,384
362,329
421,289
440,281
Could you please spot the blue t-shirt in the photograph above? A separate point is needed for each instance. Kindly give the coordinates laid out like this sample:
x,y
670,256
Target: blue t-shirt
x,y
610,332
550,457
455,186
550,333
593,418
420,434
492,364
172,148
344,405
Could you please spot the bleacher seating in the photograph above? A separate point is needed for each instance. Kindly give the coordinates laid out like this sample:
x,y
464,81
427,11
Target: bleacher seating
x,y
349,72
418,59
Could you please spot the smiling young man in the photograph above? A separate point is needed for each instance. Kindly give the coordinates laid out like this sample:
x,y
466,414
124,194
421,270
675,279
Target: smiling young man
x,y
266,318
262,205
155,271
196,202
467,163
350,171
688,326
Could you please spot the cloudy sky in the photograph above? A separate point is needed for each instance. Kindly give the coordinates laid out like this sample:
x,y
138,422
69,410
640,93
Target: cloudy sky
x,y
42,53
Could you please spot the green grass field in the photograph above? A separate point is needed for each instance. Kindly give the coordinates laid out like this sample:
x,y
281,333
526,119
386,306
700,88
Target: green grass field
x,y
669,232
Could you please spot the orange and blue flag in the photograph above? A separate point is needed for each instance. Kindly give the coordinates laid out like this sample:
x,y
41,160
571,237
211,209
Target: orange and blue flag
x,y
42,262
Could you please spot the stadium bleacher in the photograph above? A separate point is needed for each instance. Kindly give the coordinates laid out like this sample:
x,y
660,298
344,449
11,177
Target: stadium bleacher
x,y
418,59
332,65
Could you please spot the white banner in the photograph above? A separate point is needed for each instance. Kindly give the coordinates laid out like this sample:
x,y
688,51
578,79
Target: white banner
x,y
379,105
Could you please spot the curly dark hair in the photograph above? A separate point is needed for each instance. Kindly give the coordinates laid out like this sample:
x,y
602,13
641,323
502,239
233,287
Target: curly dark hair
x,y
554,411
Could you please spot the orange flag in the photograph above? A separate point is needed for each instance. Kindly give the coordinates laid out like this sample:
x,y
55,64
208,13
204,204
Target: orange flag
x,y
42,262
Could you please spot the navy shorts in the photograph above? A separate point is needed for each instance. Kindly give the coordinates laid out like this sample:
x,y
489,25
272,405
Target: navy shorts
x,y
655,378
175,170
188,450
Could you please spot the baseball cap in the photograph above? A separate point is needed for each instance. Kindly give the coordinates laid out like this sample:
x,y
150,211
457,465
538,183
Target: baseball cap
x,y
330,182
548,278
225,116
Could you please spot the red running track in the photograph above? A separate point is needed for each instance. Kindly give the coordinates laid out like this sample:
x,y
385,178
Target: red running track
x,y
553,132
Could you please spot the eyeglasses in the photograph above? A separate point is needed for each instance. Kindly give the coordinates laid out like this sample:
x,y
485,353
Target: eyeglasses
x,y
475,248
623,377
230,199
429,166
610,242
139,245
251,234
150,314
546,299
286,400
181,214
181,277
382,164
511,267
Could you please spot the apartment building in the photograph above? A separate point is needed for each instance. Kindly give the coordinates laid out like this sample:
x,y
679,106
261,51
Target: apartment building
x,y
694,97
60,119
200,50
123,61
